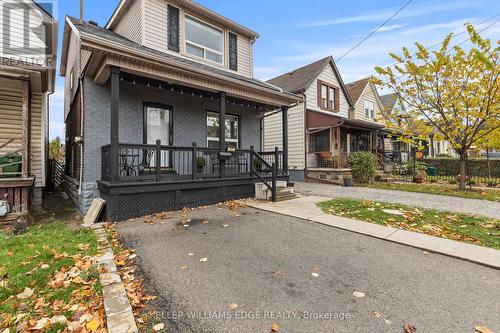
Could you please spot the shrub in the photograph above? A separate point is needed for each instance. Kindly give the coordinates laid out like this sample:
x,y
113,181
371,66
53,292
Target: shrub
x,y
363,165
200,162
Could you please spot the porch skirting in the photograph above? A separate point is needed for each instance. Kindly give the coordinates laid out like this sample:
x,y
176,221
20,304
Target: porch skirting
x,y
129,200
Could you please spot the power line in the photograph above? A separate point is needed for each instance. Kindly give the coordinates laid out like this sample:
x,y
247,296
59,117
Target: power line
x,y
374,31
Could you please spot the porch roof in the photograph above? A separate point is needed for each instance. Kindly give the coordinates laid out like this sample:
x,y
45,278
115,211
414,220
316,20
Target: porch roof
x,y
320,120
116,50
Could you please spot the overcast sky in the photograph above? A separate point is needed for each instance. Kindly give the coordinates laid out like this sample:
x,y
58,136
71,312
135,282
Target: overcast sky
x,y
296,32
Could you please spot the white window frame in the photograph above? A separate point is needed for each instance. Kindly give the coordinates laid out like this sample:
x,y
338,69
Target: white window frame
x,y
216,139
204,48
370,110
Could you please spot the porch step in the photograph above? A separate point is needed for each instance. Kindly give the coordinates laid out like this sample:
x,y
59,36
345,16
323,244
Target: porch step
x,y
284,197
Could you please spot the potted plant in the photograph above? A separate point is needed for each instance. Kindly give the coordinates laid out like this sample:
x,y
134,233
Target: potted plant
x,y
420,173
200,164
348,181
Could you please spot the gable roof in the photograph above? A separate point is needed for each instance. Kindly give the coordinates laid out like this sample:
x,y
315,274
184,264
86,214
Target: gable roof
x,y
389,100
298,80
356,88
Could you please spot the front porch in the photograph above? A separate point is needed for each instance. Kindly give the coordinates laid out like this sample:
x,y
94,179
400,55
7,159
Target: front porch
x,y
171,151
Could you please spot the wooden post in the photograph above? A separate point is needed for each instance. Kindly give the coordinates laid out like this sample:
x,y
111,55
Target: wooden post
x,y
158,160
114,128
251,159
26,129
194,162
284,116
222,121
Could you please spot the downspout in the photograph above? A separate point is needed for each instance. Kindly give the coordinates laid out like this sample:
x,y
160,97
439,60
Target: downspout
x,y
81,135
303,93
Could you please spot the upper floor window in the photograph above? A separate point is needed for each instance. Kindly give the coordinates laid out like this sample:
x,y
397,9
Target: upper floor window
x,y
327,96
369,109
203,40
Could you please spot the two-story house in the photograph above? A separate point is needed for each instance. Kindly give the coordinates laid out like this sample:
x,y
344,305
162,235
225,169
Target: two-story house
x,y
28,45
334,120
162,110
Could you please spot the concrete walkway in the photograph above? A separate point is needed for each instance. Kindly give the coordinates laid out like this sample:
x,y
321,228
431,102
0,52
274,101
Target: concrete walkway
x,y
306,208
424,200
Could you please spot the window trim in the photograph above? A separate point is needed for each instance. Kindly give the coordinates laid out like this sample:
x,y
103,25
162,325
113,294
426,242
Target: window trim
x,y
370,111
238,141
170,108
336,98
186,41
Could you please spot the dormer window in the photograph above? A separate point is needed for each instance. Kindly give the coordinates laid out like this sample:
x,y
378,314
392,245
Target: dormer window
x,y
203,40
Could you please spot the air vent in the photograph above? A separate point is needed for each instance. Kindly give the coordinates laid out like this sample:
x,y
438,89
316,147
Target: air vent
x,y
93,23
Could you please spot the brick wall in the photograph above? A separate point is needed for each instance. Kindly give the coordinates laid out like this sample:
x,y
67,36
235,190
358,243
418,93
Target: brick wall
x,y
189,119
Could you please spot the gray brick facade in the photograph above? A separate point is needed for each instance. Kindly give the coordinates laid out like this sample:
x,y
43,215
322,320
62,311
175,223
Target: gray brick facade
x,y
189,122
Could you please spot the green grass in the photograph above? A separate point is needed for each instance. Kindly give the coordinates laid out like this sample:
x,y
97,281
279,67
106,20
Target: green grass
x,y
461,227
21,258
441,189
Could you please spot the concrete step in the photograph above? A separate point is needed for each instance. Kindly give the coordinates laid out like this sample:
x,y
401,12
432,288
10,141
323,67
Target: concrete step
x,y
286,197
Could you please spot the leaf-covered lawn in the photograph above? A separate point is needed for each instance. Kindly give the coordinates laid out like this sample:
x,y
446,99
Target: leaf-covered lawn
x,y
467,228
441,189
49,281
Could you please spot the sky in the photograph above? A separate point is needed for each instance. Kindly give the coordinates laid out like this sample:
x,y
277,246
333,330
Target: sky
x,y
294,33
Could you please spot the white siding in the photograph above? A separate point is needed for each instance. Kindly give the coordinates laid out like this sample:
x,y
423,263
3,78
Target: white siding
x,y
130,25
370,95
244,54
296,141
155,27
328,76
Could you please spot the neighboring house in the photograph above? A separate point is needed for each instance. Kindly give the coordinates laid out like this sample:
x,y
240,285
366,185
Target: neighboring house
x,y
28,44
334,120
394,147
144,98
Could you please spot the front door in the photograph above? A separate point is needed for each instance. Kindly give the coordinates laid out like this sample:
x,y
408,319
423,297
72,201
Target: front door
x,y
158,126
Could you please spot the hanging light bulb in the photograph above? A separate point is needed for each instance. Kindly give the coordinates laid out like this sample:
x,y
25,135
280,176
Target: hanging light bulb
x,y
121,78
148,84
133,82
159,87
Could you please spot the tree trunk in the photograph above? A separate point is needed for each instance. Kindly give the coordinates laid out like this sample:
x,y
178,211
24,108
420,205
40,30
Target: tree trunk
x,y
462,172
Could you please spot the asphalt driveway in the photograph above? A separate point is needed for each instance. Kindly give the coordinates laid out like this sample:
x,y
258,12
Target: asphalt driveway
x,y
263,262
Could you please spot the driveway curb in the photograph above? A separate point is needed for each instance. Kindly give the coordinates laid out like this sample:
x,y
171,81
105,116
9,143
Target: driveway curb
x,y
305,208
119,316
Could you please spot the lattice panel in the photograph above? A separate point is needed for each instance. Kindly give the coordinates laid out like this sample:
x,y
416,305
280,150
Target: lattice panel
x,y
139,204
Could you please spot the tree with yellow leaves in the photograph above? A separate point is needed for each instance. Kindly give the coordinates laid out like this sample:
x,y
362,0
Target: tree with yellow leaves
x,y
450,91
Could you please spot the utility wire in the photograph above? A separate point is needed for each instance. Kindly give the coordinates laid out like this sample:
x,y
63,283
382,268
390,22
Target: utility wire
x,y
374,31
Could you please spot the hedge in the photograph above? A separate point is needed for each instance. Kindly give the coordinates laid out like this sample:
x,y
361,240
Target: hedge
x,y
476,167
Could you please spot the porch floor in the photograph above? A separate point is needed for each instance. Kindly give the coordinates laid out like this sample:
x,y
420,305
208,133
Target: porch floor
x,y
329,169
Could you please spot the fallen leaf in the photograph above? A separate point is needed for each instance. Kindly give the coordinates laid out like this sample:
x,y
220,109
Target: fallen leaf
x,y
10,253
27,293
86,317
315,274
225,225
58,319
203,259
158,327
92,325
387,321
184,267
358,294
482,329
132,256
190,254
275,327
375,314
410,328
40,325
232,306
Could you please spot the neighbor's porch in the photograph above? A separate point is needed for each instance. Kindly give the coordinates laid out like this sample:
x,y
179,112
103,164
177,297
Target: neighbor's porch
x,y
167,151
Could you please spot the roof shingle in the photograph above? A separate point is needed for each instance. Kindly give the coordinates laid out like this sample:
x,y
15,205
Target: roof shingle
x,y
356,88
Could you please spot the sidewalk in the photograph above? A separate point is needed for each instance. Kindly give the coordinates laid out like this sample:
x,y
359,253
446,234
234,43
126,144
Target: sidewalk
x,y
306,208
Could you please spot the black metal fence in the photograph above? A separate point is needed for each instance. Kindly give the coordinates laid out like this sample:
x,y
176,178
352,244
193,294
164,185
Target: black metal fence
x,y
478,172
142,162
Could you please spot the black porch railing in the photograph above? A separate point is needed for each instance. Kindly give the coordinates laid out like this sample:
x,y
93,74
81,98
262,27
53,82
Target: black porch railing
x,y
158,163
